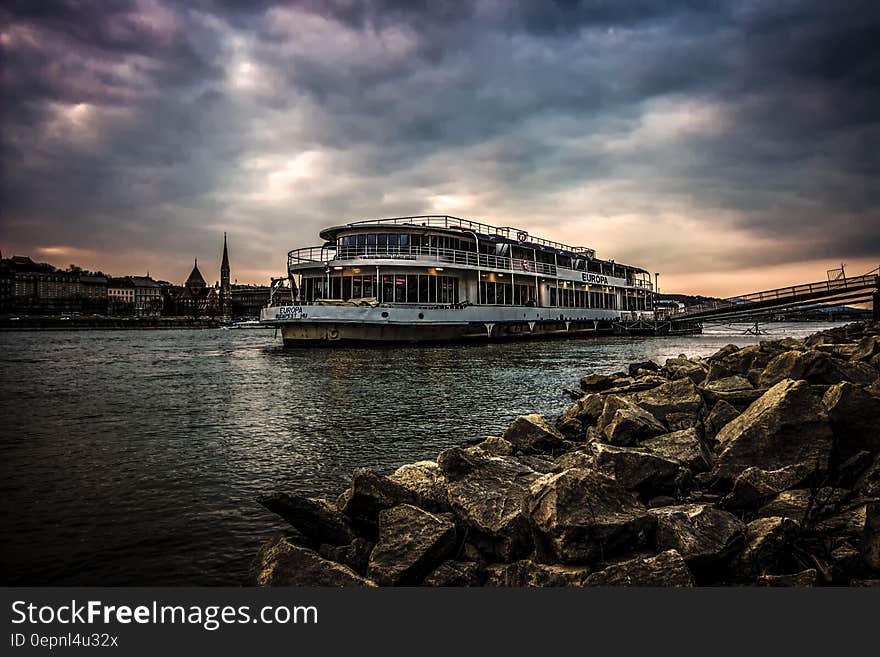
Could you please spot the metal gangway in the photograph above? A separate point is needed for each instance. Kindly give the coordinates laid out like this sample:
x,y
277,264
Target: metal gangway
x,y
842,290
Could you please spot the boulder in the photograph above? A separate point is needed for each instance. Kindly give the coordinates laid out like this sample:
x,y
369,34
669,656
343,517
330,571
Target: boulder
x,y
702,534
639,470
682,368
722,413
784,427
643,366
666,569
412,543
868,484
486,493
624,423
538,463
724,352
532,433
754,486
532,574
281,563
735,383
767,549
794,504
369,494
495,446
679,397
739,399
855,419
355,555
581,458
844,522
716,372
316,519
456,573
581,515
867,348
596,382
816,367
425,482
683,446
586,411
804,578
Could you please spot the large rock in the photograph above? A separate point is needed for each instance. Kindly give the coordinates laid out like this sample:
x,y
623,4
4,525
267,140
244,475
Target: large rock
x,y
754,485
635,369
582,515
281,563
584,413
456,573
679,398
412,543
794,504
867,348
816,367
316,519
369,494
639,470
486,493
666,569
785,427
804,578
702,534
426,483
683,368
529,573
597,382
735,383
855,419
494,446
684,446
532,433
624,423
355,555
739,399
767,550
721,414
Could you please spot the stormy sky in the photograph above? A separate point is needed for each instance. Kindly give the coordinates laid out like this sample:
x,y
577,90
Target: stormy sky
x,y
729,146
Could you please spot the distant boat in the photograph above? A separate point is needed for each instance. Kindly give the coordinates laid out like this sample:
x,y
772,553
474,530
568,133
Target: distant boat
x,y
248,324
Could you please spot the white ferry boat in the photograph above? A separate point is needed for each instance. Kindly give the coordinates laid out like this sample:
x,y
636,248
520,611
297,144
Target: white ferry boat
x,y
441,278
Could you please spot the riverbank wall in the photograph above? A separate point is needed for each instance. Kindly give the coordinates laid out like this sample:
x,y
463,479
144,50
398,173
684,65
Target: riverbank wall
x,y
754,466
107,323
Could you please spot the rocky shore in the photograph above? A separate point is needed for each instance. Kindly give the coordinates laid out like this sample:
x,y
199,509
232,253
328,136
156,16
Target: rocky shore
x,y
754,466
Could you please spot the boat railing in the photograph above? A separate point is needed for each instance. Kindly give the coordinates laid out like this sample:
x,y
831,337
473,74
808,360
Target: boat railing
x,y
508,232
324,255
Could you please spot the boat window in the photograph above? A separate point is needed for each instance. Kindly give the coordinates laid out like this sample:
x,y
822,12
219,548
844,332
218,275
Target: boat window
x,y
404,240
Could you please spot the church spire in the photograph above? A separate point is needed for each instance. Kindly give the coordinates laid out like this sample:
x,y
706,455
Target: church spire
x,y
224,265
225,288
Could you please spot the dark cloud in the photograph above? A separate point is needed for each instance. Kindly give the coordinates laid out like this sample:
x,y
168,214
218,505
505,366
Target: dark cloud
x,y
680,135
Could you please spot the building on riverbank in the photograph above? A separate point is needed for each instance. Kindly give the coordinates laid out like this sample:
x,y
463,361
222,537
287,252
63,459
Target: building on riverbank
x,y
33,288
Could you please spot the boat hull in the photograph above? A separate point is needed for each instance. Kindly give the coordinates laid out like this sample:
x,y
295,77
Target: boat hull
x,y
309,325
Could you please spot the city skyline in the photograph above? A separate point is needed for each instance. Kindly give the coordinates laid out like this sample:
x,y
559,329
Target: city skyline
x,y
730,148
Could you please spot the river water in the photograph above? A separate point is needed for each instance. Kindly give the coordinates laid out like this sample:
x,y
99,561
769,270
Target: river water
x,y
135,457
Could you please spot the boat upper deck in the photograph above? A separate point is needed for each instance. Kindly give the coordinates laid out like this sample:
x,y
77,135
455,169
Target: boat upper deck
x,y
525,254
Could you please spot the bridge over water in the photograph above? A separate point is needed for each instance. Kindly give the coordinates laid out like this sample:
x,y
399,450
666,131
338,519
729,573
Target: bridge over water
x,y
745,307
